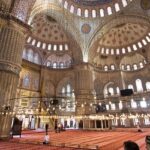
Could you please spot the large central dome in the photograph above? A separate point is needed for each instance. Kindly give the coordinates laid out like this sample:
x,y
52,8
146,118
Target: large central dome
x,y
91,2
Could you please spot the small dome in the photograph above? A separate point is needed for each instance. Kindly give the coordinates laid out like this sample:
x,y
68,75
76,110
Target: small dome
x,y
47,29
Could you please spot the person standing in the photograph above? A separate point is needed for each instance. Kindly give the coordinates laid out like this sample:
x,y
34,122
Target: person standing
x,y
46,128
138,127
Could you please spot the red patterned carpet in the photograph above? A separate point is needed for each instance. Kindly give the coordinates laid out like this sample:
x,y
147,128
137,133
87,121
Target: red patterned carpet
x,y
77,139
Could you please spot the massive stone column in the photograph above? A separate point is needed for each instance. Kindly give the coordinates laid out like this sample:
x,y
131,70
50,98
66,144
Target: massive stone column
x,y
12,39
84,90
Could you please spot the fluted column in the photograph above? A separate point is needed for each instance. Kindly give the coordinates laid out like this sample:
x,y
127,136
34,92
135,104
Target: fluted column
x,y
12,40
84,89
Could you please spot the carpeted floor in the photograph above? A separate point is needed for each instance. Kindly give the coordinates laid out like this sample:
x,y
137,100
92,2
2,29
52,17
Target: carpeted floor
x,y
71,139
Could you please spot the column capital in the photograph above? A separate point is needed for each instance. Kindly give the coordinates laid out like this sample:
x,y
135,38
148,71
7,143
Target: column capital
x,y
11,21
10,68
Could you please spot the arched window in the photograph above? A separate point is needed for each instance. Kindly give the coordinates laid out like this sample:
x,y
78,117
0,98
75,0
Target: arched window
x,y
135,67
72,9
39,44
61,65
86,13
141,65
111,91
133,104
139,86
130,86
102,12
60,47
143,103
148,86
44,45
105,92
122,67
109,10
94,13
129,49
124,3
105,68
117,51
134,47
29,39
36,58
118,90
66,47
113,106
148,39
55,65
68,89
144,42
79,11
66,4
140,45
120,105
55,47
128,67
33,42
48,64
30,55
123,50
107,51
112,67
69,103
49,47
112,52
26,81
117,8
102,50
63,90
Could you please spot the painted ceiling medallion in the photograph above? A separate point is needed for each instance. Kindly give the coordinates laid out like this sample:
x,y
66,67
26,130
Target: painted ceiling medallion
x,y
145,4
86,28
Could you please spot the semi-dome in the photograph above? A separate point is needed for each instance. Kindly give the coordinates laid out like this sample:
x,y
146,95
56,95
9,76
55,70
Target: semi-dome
x,y
47,29
123,39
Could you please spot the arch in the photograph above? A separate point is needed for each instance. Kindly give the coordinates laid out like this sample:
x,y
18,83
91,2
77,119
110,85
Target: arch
x,y
105,91
65,88
64,82
65,59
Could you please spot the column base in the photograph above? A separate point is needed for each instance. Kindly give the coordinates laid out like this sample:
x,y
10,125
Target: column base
x,y
5,138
